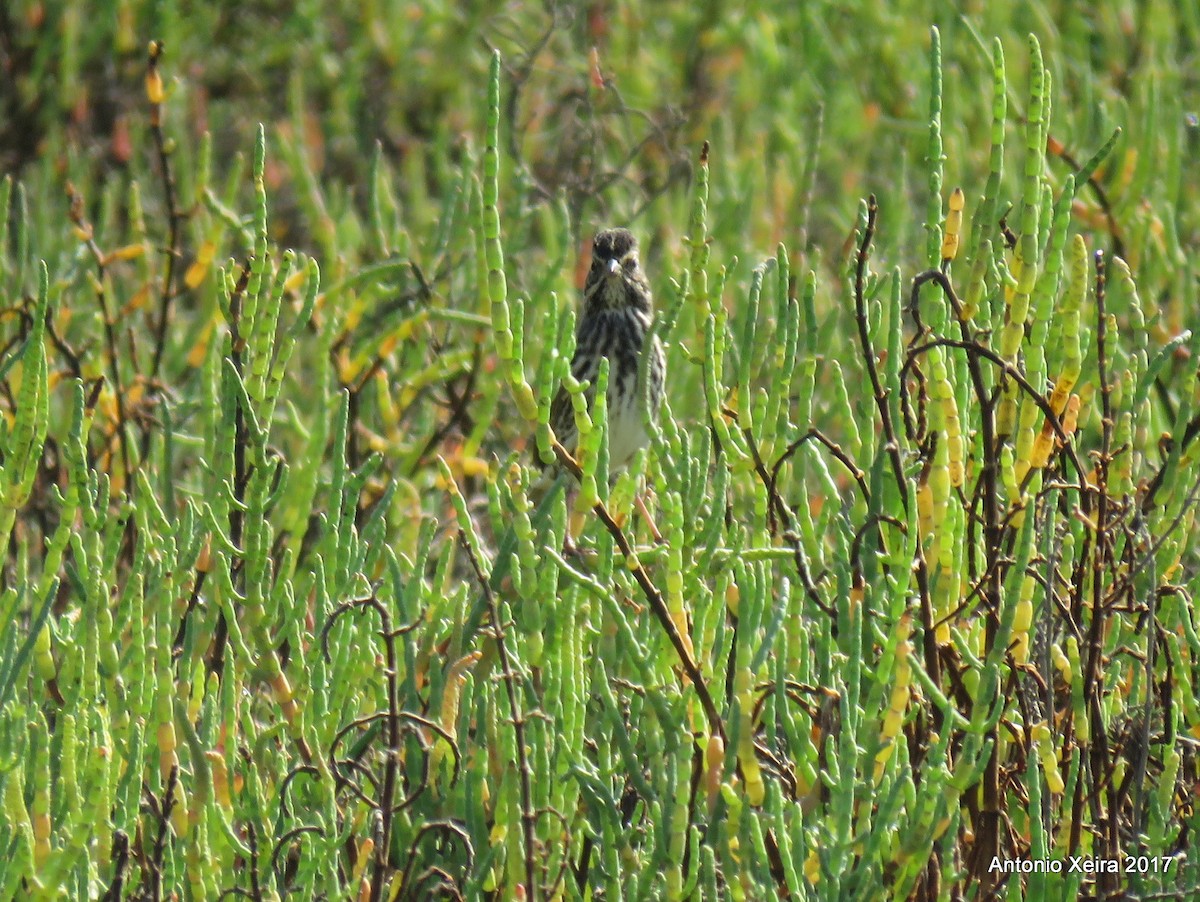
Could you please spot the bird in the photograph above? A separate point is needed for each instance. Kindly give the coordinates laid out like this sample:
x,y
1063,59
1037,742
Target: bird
x,y
615,318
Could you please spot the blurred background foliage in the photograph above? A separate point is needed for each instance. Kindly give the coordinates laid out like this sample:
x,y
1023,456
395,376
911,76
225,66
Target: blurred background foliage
x,y
607,102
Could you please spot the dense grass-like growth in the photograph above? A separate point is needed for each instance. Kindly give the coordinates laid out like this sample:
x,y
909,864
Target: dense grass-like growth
x,y
279,618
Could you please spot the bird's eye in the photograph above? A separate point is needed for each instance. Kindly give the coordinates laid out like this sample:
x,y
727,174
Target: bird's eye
x,y
630,264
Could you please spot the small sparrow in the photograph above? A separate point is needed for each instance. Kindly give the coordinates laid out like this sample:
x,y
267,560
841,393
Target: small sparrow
x,y
614,321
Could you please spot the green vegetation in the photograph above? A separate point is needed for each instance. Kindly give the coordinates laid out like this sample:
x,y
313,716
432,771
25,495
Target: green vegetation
x,y
280,302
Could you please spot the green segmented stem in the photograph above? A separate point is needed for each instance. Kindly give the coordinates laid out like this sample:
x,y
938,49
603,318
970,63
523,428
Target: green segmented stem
x,y
1026,261
934,158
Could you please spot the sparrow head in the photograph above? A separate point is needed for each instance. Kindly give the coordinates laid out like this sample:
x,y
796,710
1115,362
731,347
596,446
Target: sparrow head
x,y
615,279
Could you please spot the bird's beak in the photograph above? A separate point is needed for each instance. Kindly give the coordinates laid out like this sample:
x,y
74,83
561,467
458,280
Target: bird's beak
x,y
614,266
